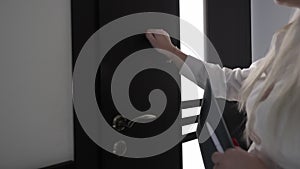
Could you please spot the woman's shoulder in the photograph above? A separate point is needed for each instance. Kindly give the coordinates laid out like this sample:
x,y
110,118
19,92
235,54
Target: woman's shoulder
x,y
294,25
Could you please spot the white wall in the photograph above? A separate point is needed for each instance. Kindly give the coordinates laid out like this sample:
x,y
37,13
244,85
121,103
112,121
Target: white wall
x,y
267,17
35,90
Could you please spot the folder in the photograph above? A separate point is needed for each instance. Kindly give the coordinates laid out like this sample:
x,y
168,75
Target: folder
x,y
211,122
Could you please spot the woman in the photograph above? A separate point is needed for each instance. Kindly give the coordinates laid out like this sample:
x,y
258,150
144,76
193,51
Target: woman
x,y
269,91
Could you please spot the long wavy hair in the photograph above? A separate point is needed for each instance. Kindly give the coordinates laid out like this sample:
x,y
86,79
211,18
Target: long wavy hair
x,y
275,64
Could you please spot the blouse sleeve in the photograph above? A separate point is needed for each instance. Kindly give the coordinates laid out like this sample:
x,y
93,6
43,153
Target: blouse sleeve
x,y
225,82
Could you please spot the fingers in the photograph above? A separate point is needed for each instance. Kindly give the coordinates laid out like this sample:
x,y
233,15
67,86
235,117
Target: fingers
x,y
227,159
151,38
157,32
217,157
216,166
239,148
159,39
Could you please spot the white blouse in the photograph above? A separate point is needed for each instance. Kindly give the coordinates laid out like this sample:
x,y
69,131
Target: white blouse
x,y
226,83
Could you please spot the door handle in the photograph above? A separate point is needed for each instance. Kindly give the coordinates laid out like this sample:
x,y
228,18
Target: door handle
x,y
120,123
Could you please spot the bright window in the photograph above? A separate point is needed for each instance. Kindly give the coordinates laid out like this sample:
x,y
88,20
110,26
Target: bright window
x,y
192,12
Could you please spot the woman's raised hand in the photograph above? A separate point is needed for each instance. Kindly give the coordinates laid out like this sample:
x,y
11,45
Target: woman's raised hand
x,y
161,41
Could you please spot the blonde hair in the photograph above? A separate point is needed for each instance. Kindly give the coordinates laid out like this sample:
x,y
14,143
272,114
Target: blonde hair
x,y
274,66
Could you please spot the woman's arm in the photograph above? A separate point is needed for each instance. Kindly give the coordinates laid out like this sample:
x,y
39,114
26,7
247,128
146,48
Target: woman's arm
x,y
226,83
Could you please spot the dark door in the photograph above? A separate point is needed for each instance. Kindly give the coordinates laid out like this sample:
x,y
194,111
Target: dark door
x,y
87,18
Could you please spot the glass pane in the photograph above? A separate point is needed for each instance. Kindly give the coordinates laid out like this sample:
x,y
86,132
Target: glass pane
x,y
190,112
192,158
192,12
189,128
188,90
